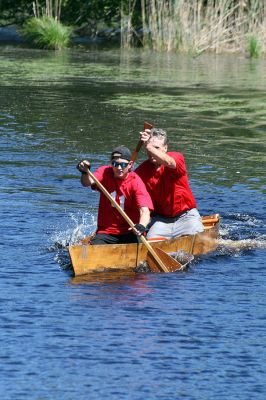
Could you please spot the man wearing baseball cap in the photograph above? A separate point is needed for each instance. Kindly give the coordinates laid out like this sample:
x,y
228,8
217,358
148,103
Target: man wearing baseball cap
x,y
128,190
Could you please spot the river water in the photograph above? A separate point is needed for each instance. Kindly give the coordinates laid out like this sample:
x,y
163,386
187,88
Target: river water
x,y
194,335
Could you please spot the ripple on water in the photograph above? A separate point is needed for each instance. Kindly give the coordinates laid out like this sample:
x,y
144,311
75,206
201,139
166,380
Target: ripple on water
x,y
194,335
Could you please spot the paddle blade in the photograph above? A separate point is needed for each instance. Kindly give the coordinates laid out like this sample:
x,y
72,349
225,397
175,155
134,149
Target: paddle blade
x,y
147,125
135,153
169,262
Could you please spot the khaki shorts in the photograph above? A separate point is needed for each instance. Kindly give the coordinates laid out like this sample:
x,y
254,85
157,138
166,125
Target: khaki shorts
x,y
188,223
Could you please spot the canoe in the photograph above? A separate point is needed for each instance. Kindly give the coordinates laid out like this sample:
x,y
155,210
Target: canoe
x,y
86,258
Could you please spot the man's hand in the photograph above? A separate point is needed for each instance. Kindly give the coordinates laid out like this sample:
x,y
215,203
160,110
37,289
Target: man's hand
x,y
145,136
84,166
139,229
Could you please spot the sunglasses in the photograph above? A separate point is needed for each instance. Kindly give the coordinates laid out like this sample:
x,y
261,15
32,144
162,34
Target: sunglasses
x,y
116,164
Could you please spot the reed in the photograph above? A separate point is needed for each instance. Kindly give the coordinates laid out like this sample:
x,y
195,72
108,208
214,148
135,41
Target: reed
x,y
198,26
51,9
128,32
47,33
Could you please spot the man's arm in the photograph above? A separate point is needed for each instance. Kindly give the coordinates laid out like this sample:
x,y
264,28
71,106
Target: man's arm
x,y
144,219
159,154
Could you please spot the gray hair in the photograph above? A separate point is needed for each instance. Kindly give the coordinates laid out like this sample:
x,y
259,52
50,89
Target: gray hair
x,y
159,133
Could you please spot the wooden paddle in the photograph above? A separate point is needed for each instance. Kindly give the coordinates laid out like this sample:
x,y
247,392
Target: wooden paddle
x,y
168,264
147,125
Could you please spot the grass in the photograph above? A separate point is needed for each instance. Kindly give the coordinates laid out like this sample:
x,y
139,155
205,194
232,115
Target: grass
x,y
197,26
47,33
253,47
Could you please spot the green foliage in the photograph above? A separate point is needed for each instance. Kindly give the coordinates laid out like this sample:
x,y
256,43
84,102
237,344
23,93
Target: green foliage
x,y
74,12
14,12
47,33
253,47
80,12
191,26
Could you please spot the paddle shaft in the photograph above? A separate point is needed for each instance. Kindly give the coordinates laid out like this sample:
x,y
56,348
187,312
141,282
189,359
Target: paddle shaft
x,y
147,125
129,221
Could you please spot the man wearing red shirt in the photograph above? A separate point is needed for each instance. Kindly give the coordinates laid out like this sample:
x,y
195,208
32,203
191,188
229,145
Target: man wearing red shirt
x,y
166,179
129,192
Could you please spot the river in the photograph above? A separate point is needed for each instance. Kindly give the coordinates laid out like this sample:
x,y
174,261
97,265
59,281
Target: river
x,y
194,335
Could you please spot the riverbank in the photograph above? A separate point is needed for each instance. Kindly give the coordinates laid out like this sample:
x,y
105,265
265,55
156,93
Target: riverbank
x,y
11,36
109,37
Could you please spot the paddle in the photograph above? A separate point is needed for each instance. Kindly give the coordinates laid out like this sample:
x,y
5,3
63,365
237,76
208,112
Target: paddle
x,y
147,125
168,264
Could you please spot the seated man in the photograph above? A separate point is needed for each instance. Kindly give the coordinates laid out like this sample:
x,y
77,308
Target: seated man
x,y
129,192
166,179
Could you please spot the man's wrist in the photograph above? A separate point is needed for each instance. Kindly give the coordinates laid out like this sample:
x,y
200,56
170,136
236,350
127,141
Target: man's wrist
x,y
141,228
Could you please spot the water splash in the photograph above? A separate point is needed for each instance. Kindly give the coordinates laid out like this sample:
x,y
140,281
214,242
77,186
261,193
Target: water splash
x,y
238,245
243,232
181,256
79,226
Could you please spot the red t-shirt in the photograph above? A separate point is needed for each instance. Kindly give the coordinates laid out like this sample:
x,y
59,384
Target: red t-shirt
x,y
130,193
169,188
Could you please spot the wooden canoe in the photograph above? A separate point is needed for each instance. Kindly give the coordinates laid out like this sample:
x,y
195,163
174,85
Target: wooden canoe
x,y
86,258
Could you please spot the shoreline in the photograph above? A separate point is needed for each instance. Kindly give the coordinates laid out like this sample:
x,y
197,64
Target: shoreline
x,y
9,35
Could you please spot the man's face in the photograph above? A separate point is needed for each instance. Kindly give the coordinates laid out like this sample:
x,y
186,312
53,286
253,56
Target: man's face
x,y
159,145
121,167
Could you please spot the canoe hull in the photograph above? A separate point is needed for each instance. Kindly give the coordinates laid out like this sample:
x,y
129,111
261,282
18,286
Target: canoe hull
x,y
86,258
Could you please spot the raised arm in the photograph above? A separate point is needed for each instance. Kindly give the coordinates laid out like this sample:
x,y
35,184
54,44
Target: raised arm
x,y
156,149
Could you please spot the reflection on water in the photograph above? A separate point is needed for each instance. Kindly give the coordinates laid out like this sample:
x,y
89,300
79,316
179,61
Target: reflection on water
x,y
83,103
118,335
116,277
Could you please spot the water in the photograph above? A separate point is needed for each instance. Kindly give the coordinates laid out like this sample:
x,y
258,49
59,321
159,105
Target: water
x,y
194,335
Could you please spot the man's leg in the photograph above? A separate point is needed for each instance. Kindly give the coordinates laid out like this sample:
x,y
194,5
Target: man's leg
x,y
104,238
128,238
159,227
188,224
